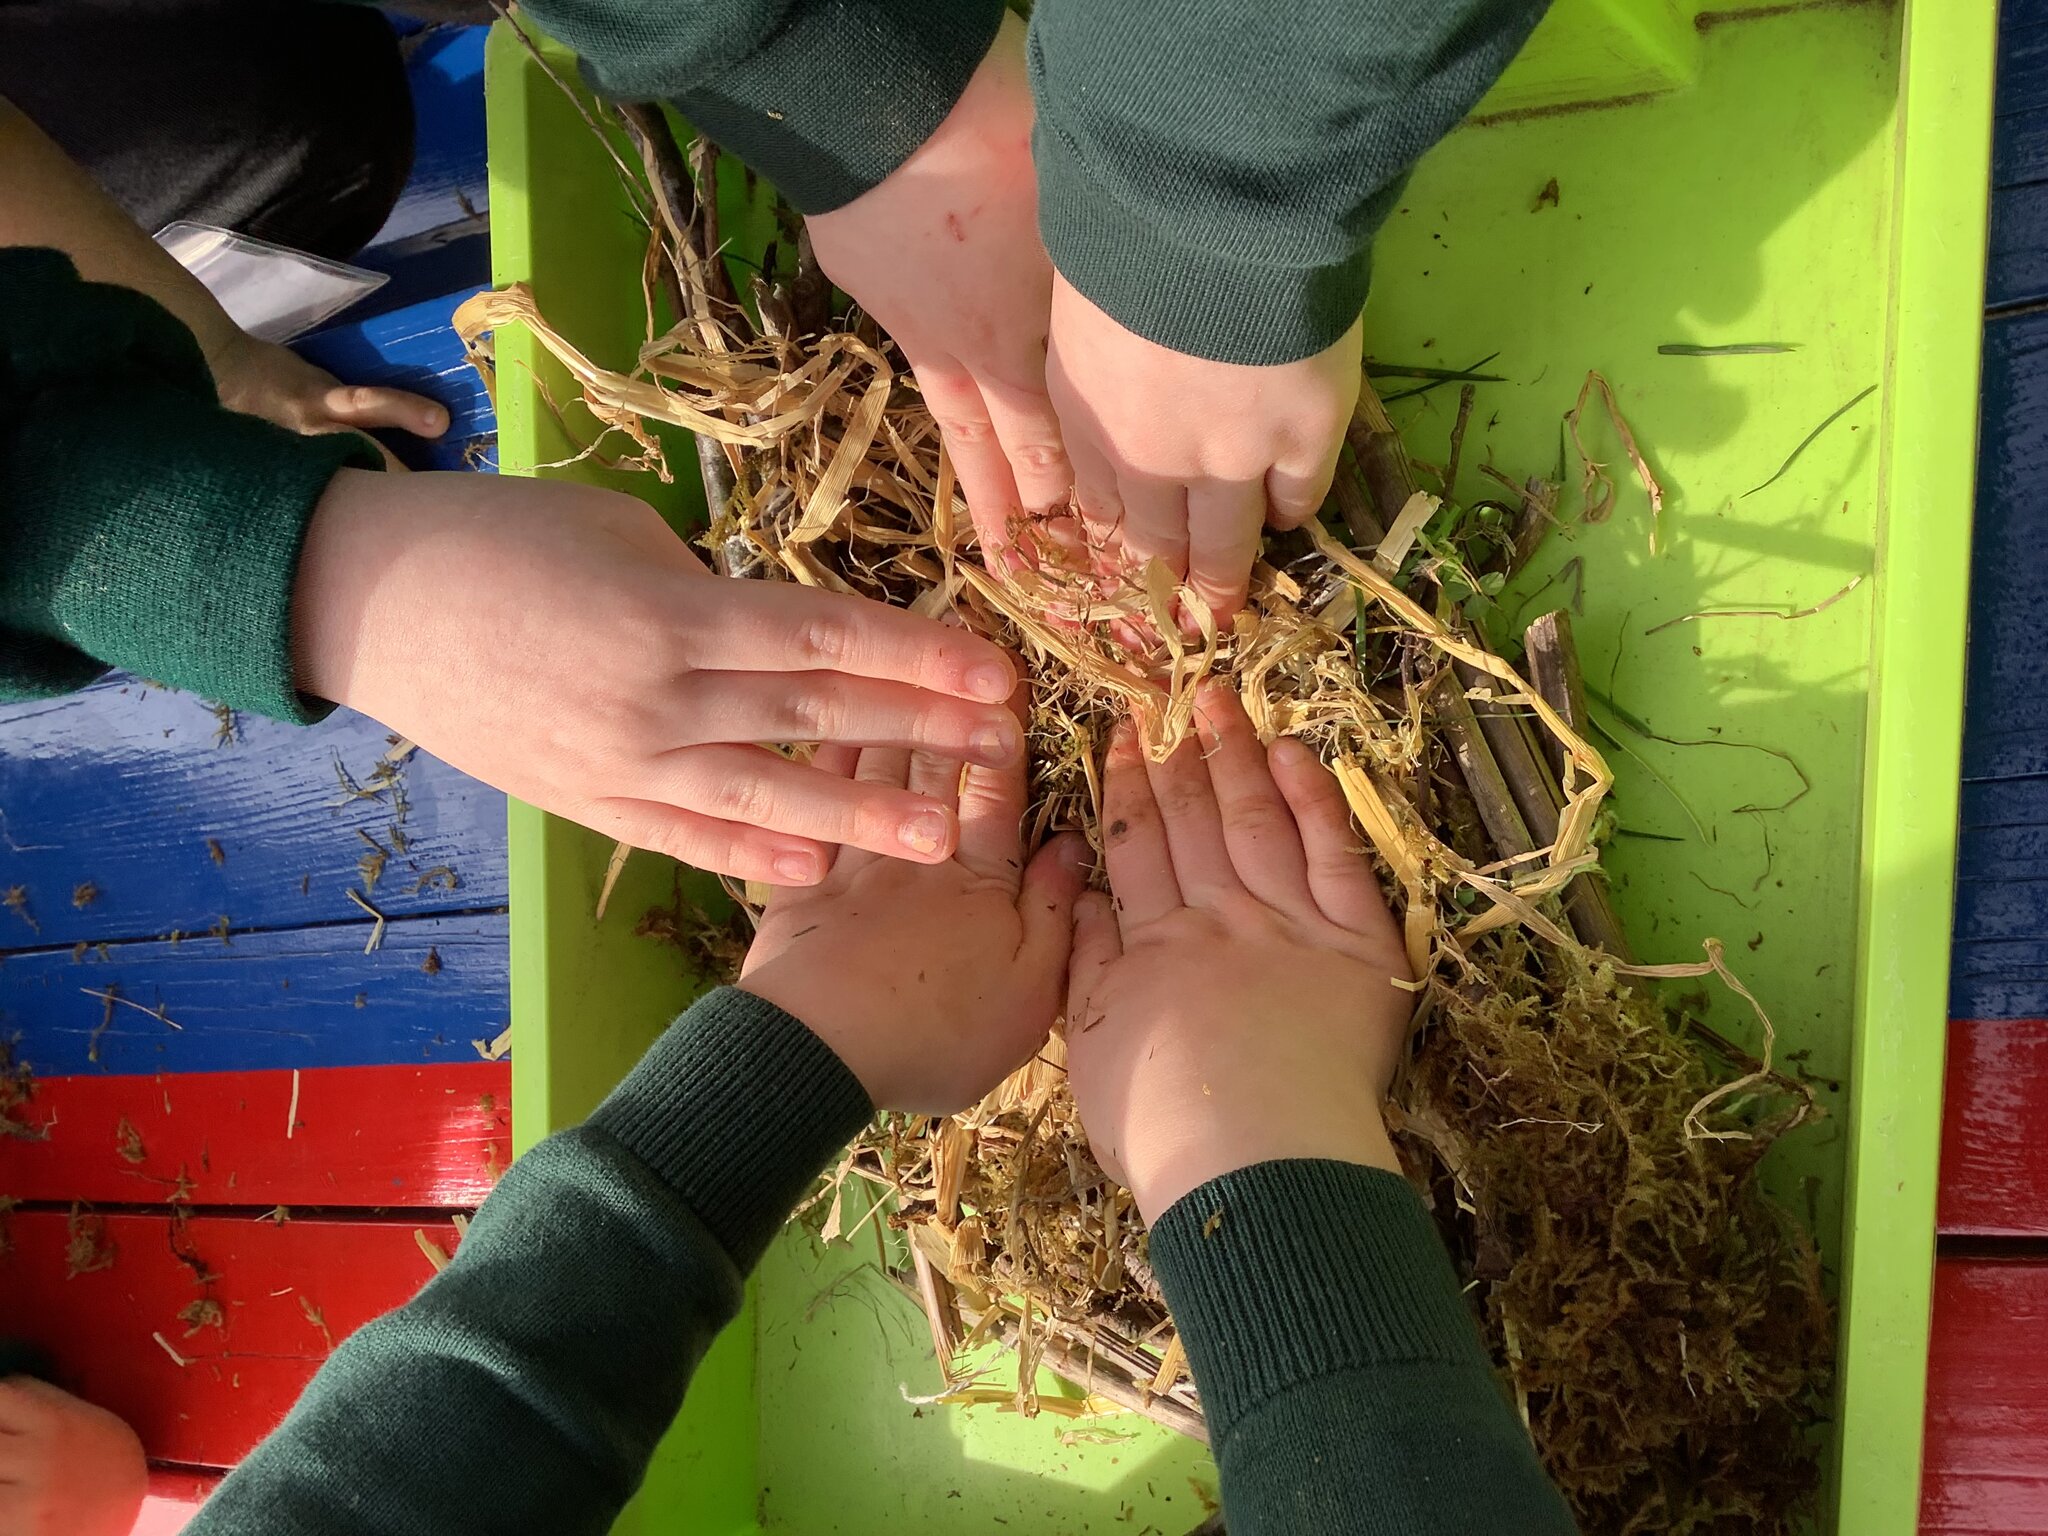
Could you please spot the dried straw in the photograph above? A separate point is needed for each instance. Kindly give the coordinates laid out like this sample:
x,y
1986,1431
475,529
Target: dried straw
x,y
1661,1324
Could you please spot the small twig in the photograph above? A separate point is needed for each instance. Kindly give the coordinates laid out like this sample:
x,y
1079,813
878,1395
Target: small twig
x,y
620,853
1465,398
291,1114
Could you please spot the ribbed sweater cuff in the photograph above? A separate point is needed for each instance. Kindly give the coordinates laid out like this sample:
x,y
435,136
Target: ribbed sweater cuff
x,y
1288,1271
843,91
737,1108
1202,303
159,532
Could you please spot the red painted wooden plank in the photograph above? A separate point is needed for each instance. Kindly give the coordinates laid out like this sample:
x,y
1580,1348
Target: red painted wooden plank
x,y
282,1292
175,1494
362,1136
1987,1399
1994,1158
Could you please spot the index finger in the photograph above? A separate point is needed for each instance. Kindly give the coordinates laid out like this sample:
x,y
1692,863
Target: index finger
x,y
782,627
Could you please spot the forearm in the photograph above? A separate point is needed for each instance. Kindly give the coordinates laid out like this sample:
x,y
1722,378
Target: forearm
x,y
823,97
1211,172
47,199
1344,1384
555,1349
142,525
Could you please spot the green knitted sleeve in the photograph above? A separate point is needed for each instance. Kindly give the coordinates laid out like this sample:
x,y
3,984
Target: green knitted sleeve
x,y
141,524
1211,172
522,1392
823,97
1343,1381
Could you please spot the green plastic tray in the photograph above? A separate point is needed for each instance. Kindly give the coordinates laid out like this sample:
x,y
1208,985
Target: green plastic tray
x,y
1808,174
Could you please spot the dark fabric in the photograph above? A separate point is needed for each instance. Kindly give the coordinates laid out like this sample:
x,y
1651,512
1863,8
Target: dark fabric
x,y
291,122
823,97
18,1357
524,1389
141,524
1212,172
1345,1386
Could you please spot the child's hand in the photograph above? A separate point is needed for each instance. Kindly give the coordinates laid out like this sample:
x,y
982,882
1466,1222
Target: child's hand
x,y
1237,1002
945,254
932,983
67,1468
561,643
261,378
1185,459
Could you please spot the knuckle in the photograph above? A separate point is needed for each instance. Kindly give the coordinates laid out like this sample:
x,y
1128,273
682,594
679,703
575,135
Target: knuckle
x,y
1041,458
966,431
742,797
823,642
816,714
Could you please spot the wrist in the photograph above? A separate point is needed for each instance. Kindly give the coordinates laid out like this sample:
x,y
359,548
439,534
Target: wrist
x,y
1189,1151
793,989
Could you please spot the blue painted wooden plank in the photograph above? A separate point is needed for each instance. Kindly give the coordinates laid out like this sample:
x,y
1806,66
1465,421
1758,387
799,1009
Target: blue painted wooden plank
x,y
2002,853
437,237
1990,998
2002,909
2008,599
123,785
2003,959
414,348
2017,270
307,997
2005,803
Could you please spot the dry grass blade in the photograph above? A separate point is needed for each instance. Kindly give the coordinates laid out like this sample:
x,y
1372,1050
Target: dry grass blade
x,y
1596,489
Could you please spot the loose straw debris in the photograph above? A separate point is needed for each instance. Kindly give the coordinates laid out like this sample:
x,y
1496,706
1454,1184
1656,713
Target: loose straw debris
x,y
1590,1159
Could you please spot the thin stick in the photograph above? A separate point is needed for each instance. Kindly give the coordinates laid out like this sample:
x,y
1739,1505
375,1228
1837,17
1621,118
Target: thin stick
x,y
620,853
1465,398
111,996
291,1114
1758,613
1553,669
1382,456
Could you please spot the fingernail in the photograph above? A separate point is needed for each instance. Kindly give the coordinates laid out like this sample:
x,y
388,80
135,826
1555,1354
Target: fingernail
x,y
925,832
1290,752
796,868
996,746
992,681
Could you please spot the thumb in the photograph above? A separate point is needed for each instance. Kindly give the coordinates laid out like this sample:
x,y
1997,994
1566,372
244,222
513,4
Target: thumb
x,y
1053,880
367,406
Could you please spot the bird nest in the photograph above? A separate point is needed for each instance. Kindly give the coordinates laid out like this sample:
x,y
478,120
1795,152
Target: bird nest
x,y
1590,1151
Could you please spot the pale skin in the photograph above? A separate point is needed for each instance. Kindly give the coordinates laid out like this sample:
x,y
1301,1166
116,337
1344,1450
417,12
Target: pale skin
x,y
1045,398
67,1467
583,659
931,983
1238,1001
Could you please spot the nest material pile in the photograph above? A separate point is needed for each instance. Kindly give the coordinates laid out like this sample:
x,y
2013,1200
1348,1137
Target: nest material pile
x,y
1590,1153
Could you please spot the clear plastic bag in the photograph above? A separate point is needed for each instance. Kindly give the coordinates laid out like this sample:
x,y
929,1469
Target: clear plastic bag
x,y
270,291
